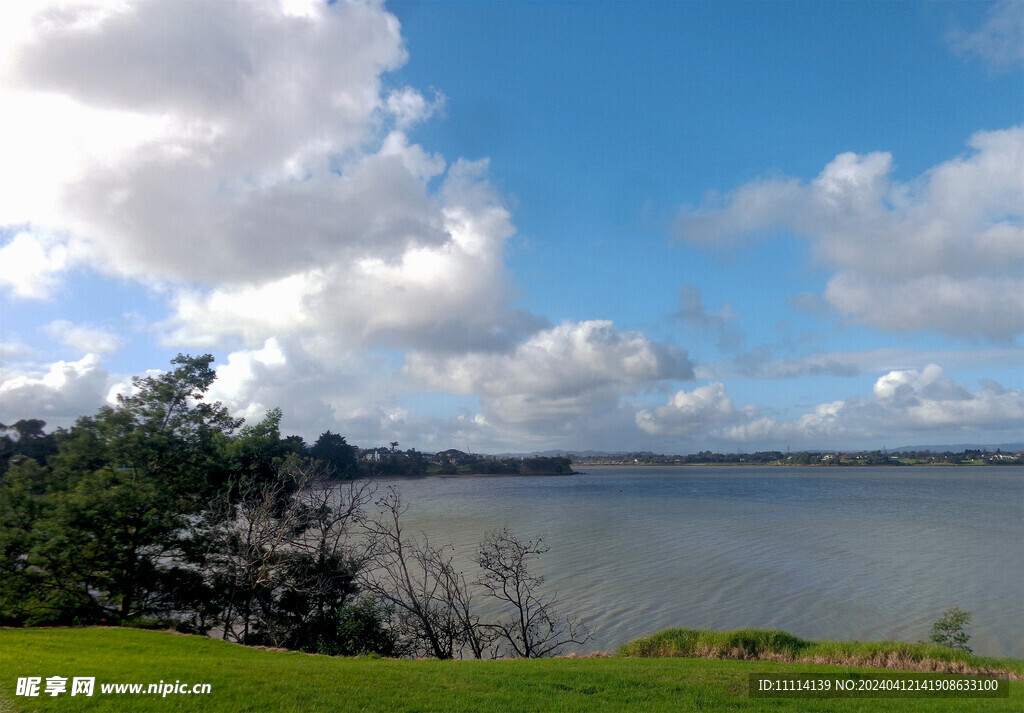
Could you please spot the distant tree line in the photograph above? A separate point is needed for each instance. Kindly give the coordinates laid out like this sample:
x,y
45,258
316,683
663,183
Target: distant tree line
x,y
703,457
165,510
860,458
453,461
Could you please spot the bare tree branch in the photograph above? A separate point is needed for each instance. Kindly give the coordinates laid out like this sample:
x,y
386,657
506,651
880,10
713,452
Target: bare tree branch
x,y
432,604
531,628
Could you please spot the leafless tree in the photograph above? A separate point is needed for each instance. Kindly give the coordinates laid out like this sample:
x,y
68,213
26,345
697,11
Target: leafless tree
x,y
532,628
284,551
430,598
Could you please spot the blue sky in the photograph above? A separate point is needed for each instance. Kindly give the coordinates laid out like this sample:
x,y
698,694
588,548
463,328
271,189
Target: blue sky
x,y
522,225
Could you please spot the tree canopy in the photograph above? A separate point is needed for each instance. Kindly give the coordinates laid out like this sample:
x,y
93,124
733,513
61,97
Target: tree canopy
x,y
165,508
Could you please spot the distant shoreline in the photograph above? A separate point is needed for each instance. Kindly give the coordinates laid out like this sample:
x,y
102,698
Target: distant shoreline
x,y
497,475
725,466
940,464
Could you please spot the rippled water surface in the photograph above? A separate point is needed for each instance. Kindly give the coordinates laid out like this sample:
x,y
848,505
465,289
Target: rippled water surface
x,y
823,553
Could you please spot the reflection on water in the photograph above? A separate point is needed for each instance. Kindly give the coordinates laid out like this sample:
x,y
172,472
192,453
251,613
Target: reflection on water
x,y
825,554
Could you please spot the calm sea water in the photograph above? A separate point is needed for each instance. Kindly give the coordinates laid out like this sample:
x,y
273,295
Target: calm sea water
x,y
856,553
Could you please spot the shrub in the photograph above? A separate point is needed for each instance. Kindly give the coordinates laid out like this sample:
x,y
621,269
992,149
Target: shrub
x,y
949,630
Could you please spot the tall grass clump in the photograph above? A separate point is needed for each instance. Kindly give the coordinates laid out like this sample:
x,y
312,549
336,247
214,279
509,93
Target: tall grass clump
x,y
774,645
768,644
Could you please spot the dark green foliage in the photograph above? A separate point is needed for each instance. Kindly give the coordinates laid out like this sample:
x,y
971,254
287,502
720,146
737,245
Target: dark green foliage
x,y
96,532
546,466
498,466
452,461
447,465
25,439
165,510
295,445
20,508
298,606
336,453
358,629
391,461
157,510
256,450
949,630
105,536
277,565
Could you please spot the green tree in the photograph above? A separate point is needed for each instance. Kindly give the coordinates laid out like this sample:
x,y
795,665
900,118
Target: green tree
x,y
336,453
541,465
254,455
949,630
281,564
25,438
106,541
20,508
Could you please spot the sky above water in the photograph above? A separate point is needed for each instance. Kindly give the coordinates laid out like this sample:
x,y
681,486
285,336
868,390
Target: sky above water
x,y
515,226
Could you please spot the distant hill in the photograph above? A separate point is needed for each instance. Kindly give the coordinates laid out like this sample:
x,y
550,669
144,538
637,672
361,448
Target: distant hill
x,y
961,447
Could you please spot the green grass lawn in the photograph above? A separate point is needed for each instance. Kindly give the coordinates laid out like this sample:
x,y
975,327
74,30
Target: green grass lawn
x,y
245,679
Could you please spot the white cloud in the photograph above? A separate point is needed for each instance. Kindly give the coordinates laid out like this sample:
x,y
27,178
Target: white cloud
x,y
242,375
945,251
999,42
318,387
15,349
558,379
250,161
929,399
992,306
86,339
57,393
903,404
409,107
232,145
451,295
31,265
691,412
252,311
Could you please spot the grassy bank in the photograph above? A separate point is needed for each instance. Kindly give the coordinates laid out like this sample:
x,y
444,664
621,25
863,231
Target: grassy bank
x,y
245,679
781,646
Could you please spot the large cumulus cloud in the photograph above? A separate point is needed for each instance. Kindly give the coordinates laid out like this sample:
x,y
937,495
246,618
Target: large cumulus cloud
x,y
944,251
563,381
452,295
697,412
57,393
206,140
252,160
253,163
904,403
